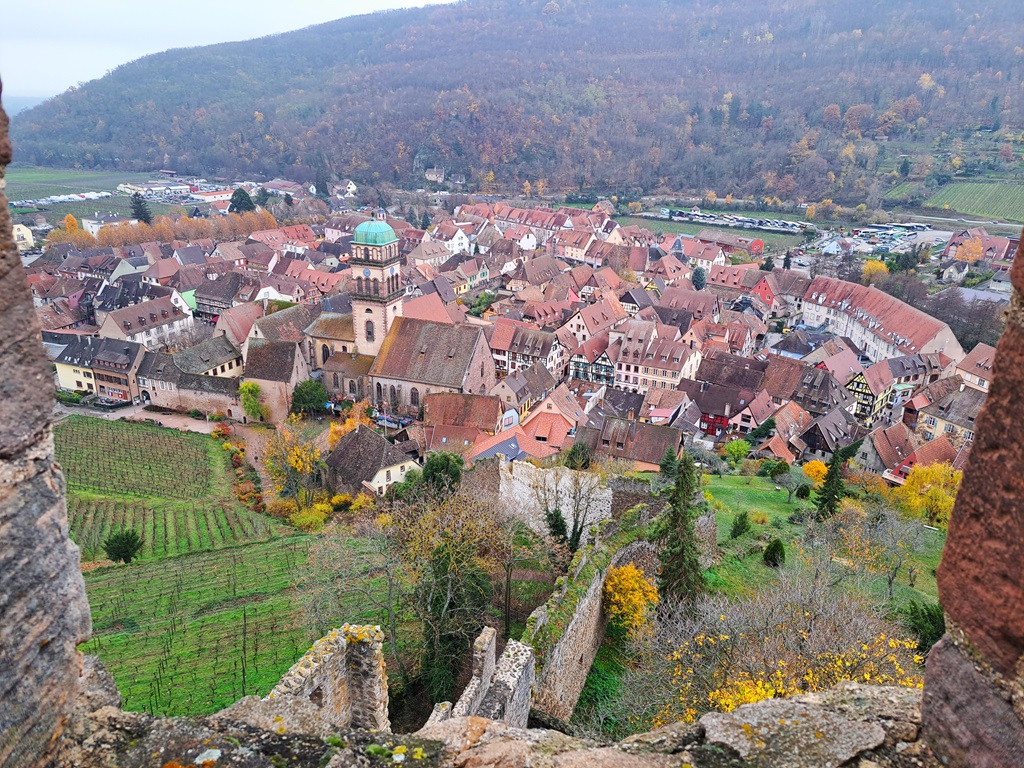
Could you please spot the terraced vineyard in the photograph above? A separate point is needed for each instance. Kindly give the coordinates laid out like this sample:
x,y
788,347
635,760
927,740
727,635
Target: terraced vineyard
x,y
174,488
189,635
989,199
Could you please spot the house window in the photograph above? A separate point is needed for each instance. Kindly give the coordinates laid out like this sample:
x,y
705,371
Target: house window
x,y
387,476
931,421
351,386
950,429
414,397
336,381
968,436
369,331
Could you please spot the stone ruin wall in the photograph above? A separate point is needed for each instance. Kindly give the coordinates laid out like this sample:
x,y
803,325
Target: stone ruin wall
x,y
567,663
44,614
499,691
343,676
520,491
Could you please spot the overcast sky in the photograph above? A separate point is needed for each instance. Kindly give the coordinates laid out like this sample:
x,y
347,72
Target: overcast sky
x,y
46,46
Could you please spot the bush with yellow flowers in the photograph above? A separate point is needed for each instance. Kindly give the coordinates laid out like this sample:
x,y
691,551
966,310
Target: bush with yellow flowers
x,y
628,596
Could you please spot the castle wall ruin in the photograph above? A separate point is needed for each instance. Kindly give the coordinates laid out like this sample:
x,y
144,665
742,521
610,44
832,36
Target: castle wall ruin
x,y
343,676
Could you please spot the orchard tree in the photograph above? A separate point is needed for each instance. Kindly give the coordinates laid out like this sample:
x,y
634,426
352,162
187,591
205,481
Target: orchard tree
x,y
737,450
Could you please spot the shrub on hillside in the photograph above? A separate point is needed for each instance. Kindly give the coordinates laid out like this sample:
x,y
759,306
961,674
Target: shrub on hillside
x,y
775,554
312,520
740,525
123,546
282,508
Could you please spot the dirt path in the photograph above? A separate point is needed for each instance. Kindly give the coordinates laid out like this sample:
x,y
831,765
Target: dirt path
x,y
255,450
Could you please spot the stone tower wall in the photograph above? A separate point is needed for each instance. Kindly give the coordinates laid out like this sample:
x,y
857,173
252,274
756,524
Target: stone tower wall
x,y
44,614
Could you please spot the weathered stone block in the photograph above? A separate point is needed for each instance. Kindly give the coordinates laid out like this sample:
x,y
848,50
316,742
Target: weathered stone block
x,y
967,720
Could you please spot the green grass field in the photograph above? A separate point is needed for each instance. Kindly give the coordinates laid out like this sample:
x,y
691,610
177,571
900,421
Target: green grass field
x,y
174,488
902,190
742,571
32,183
773,241
990,199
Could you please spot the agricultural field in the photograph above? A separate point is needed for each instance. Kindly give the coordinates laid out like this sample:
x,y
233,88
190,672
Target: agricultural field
x,y
189,635
32,183
903,190
174,488
773,241
988,199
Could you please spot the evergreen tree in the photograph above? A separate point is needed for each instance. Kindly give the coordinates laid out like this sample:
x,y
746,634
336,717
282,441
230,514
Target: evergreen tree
x,y
905,168
262,197
322,185
832,488
140,209
425,221
669,464
787,263
768,265
681,576
764,429
699,278
123,546
288,199
579,457
241,202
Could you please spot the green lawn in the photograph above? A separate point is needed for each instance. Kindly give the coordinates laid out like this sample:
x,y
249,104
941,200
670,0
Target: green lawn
x,y
742,569
773,241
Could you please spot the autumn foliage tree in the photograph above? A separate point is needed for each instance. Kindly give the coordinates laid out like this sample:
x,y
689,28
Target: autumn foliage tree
x,y
355,417
293,460
970,250
872,271
628,596
815,470
929,493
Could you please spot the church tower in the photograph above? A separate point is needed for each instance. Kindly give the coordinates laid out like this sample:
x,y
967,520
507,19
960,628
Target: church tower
x,y
377,297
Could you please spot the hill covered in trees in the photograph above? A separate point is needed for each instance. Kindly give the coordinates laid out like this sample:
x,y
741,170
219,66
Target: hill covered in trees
x,y
806,99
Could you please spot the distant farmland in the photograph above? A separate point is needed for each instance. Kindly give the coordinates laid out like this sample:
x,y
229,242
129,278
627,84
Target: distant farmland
x,y
988,199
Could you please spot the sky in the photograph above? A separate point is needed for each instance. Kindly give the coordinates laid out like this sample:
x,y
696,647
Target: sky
x,y
47,46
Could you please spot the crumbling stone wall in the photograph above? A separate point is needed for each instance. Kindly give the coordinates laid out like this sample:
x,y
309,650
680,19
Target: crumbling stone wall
x,y
499,691
343,676
44,614
566,653
974,686
526,490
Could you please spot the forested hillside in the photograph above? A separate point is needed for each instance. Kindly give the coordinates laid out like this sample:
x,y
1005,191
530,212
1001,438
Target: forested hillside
x,y
790,98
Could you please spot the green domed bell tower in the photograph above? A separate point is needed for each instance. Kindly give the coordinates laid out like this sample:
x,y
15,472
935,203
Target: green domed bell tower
x,y
377,269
